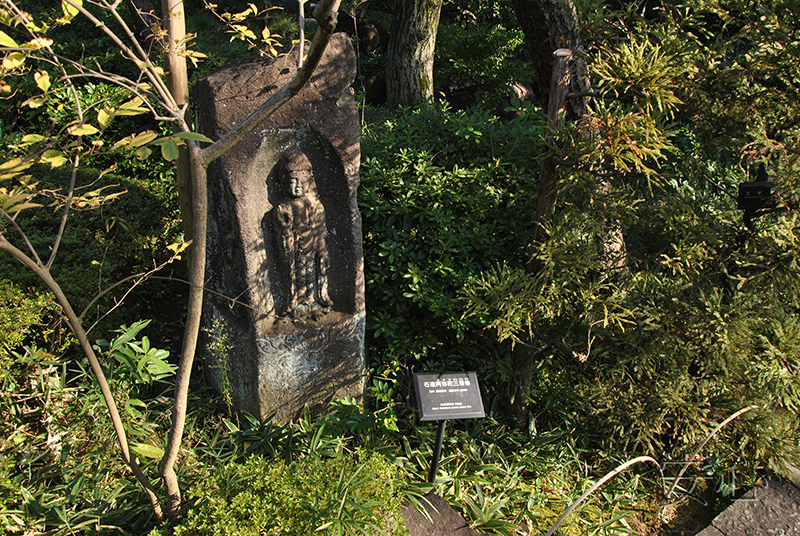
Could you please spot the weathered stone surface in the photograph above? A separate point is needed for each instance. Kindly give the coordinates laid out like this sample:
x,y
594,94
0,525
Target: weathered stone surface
x,y
772,508
444,520
291,254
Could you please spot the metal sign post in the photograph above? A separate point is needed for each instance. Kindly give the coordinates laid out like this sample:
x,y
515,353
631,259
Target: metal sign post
x,y
444,396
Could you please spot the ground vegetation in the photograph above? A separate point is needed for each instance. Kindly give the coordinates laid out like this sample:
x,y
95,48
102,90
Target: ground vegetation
x,y
644,358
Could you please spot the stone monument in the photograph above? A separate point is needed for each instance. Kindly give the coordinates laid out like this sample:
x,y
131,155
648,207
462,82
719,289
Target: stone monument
x,y
284,238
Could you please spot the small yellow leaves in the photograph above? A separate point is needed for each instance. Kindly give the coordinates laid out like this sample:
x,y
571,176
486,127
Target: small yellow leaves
x,y
177,248
42,80
13,60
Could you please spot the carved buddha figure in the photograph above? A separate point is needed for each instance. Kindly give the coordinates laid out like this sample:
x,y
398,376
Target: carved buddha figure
x,y
301,240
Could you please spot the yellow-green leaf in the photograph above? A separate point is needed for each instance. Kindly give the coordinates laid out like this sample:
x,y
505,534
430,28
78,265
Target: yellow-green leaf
x,y
14,165
22,206
54,158
143,152
135,140
42,80
104,116
6,41
148,451
39,42
69,10
193,136
30,139
83,130
14,60
34,102
169,150
132,107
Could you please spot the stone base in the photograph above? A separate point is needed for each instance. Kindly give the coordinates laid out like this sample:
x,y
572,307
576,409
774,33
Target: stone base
x,y
310,362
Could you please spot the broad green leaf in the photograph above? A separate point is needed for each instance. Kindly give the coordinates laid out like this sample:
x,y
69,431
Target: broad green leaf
x,y
42,80
85,129
148,451
169,150
193,136
14,60
6,41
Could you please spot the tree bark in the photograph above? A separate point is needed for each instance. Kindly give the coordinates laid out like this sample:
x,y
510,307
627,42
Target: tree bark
x,y
409,56
556,51
178,82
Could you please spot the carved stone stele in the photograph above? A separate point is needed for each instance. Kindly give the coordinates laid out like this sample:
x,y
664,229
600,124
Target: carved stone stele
x,y
284,238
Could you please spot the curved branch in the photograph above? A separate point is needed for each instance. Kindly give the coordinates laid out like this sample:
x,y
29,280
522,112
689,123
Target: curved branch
x,y
22,234
75,324
325,15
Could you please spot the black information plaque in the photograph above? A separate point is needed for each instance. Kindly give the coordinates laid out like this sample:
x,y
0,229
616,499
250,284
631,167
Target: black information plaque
x,y
448,395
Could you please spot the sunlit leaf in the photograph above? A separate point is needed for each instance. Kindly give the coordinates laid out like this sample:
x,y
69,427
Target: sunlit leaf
x,y
30,139
132,107
6,41
85,129
42,80
69,10
54,158
34,102
193,136
39,42
22,206
148,451
105,115
14,60
135,140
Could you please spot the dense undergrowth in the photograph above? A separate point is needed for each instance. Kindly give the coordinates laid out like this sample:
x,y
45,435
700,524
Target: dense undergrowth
x,y
702,324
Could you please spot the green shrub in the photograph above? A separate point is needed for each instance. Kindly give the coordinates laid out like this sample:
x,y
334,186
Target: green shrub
x,y
343,495
22,318
444,195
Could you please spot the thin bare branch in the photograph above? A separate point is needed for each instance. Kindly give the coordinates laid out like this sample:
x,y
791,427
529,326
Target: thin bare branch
x,y
325,15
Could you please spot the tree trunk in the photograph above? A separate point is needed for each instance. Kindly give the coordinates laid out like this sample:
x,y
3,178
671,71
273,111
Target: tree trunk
x,y
556,51
409,56
178,79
